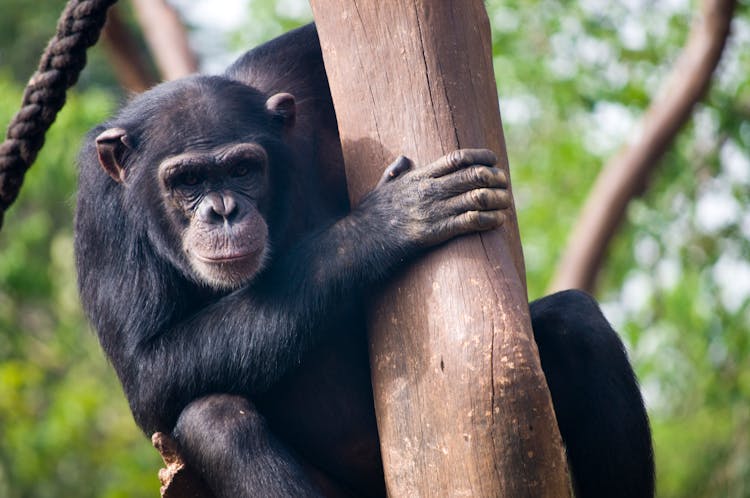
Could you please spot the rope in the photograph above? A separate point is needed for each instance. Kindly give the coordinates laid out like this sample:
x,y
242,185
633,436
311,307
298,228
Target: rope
x,y
61,63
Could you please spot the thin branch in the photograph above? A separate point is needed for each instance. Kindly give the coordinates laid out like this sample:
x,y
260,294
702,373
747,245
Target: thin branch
x,y
178,480
166,37
130,67
626,175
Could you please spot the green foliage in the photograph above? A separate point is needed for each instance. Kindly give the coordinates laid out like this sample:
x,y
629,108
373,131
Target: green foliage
x,y
65,426
270,19
25,29
574,78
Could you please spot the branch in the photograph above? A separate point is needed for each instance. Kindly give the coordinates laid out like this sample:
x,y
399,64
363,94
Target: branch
x,y
130,67
177,479
626,174
166,37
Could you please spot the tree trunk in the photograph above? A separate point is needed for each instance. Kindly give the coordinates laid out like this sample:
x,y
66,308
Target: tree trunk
x,y
462,404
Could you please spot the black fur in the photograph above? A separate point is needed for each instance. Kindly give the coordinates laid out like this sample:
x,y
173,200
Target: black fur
x,y
267,387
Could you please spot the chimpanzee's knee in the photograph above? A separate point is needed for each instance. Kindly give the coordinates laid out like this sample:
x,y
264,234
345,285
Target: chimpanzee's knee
x,y
570,325
229,441
213,428
596,397
582,357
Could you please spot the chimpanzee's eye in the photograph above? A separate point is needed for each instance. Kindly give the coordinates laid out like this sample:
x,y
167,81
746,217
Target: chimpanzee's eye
x,y
188,179
240,170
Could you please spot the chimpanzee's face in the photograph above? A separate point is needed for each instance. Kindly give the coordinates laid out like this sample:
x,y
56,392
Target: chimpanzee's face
x,y
214,198
198,164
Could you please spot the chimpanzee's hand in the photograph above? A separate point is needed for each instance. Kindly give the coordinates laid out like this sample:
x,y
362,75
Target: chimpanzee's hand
x,y
462,192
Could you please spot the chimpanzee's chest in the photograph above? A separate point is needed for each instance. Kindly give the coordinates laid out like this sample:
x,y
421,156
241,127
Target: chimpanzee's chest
x,y
324,409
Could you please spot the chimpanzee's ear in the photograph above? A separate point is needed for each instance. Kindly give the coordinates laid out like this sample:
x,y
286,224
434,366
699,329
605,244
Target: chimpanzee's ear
x,y
111,145
283,108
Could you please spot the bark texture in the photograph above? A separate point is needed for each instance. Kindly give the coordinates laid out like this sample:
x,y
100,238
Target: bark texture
x,y
462,404
178,480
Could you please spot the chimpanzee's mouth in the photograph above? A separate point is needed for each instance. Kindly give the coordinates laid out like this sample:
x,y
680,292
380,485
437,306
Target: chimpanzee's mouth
x,y
227,258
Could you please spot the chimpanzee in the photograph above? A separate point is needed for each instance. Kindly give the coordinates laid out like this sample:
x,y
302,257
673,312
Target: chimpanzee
x,y
223,269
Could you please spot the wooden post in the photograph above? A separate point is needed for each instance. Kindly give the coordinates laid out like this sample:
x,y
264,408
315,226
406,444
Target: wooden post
x,y
463,408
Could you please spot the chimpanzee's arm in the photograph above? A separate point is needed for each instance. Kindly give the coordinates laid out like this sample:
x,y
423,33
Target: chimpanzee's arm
x,y
245,341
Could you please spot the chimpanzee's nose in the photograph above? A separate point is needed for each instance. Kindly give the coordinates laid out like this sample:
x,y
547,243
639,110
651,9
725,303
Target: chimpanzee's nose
x,y
217,207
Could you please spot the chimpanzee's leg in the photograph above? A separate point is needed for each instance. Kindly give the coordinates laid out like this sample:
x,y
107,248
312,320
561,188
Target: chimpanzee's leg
x,y
598,404
228,441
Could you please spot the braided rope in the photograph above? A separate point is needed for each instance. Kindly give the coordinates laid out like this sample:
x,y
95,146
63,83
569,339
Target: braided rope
x,y
61,63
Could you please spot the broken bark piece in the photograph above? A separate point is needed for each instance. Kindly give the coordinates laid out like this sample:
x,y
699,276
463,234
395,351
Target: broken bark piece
x,y
178,480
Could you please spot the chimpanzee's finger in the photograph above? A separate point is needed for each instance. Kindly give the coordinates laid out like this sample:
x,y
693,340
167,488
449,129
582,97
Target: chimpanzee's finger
x,y
474,221
470,178
480,199
402,164
459,159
